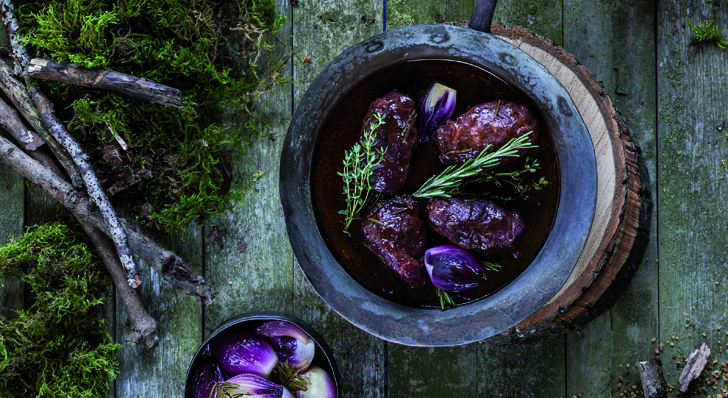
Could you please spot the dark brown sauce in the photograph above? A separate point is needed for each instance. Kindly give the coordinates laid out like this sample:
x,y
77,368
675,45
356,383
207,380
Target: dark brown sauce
x,y
474,86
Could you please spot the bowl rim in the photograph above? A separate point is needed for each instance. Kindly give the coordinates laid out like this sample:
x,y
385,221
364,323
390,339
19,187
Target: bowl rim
x,y
261,316
507,307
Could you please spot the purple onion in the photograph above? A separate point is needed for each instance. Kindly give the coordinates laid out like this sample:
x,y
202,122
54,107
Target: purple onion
x,y
437,106
205,378
241,352
289,342
248,384
452,269
320,384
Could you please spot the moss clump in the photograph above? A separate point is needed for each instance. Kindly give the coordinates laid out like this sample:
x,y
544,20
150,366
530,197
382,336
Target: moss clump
x,y
174,170
58,347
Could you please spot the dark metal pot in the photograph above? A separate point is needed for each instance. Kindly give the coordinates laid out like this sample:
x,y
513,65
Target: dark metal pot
x,y
247,322
577,167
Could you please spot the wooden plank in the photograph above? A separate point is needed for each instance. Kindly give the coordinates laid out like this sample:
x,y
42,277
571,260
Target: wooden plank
x,y
412,12
161,372
596,34
12,197
692,170
542,17
530,369
12,189
322,30
250,264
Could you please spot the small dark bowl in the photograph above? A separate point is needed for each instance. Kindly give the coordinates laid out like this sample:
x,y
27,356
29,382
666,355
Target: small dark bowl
x,y
248,322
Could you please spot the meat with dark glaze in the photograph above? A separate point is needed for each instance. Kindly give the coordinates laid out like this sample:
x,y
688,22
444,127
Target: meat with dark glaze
x,y
475,224
395,234
467,136
398,135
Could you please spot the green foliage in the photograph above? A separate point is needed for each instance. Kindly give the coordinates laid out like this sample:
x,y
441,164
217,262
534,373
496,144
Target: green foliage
x,y
707,32
58,347
359,163
210,50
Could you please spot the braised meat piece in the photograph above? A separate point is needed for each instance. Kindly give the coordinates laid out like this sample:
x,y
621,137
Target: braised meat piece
x,y
467,136
475,224
394,232
398,135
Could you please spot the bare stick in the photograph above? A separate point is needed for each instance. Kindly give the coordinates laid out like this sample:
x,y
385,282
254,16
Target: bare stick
x,y
20,53
105,80
653,382
164,262
694,366
15,90
142,327
95,191
11,122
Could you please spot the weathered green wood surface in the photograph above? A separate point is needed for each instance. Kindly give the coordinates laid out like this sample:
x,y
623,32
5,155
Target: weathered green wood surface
x,y
674,100
692,166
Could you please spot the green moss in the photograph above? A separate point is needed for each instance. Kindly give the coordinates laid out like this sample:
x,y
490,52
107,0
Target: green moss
x,y
58,347
193,45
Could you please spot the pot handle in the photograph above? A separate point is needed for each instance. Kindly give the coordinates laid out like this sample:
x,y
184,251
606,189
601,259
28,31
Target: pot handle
x,y
482,15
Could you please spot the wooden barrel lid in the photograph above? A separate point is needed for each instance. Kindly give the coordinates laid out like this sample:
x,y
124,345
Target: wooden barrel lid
x,y
619,231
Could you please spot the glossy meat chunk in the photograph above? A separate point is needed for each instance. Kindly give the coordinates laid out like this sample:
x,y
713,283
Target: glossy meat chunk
x,y
394,232
475,224
467,136
398,135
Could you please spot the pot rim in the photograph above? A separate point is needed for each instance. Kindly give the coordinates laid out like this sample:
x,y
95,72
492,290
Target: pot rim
x,y
538,283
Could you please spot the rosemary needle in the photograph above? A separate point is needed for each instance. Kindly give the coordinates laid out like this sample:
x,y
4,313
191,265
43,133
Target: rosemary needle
x,y
449,180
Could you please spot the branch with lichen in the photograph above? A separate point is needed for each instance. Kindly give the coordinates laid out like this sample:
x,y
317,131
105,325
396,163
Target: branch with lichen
x,y
18,95
95,191
105,79
167,264
20,53
142,327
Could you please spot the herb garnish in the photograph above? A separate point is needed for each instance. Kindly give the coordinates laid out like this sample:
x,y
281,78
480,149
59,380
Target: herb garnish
x,y
707,32
359,163
514,178
448,181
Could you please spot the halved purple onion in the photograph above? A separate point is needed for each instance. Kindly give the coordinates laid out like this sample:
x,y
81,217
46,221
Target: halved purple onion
x,y
452,269
289,342
254,386
437,106
241,352
320,384
205,378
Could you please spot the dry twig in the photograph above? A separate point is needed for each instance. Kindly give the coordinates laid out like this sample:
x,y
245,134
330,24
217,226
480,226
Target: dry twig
x,y
167,264
105,80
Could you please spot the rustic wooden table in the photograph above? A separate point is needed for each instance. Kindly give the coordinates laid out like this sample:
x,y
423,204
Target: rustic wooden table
x,y
673,97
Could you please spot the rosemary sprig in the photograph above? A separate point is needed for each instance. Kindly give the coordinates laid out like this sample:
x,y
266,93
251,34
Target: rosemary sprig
x,y
359,162
707,32
448,181
445,299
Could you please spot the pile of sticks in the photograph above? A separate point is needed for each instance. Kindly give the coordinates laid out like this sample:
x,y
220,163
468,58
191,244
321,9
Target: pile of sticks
x,y
48,156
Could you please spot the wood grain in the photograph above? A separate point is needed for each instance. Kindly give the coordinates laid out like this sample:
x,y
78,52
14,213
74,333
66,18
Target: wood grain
x,y
11,226
322,30
161,372
692,160
595,35
251,263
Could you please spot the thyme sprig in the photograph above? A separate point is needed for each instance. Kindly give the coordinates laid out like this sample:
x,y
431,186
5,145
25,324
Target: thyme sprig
x,y
448,182
359,163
